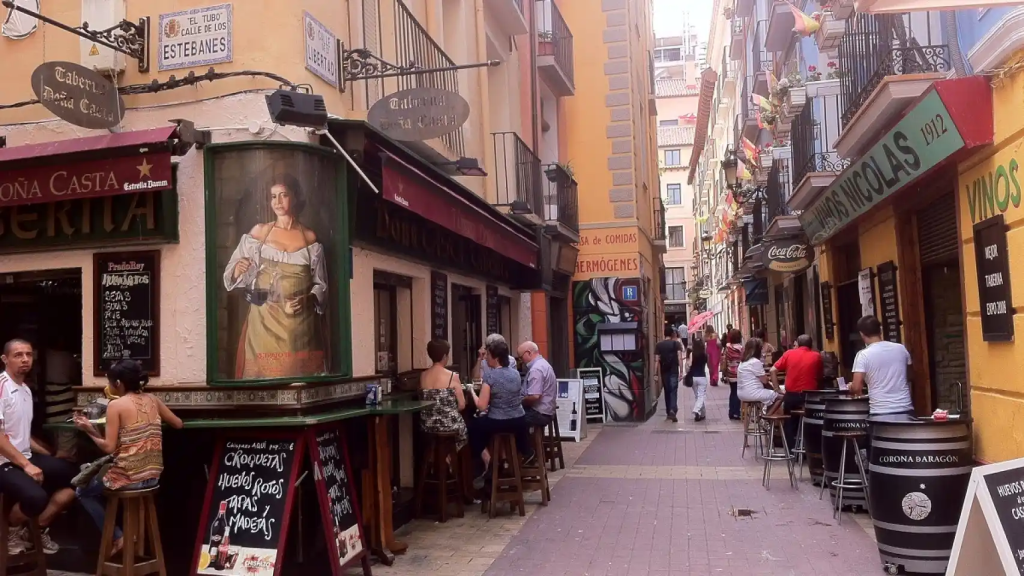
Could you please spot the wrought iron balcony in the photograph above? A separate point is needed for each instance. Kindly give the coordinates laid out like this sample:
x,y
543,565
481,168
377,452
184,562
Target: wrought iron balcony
x,y
561,202
739,38
879,45
554,49
815,131
660,229
517,178
761,61
407,43
748,112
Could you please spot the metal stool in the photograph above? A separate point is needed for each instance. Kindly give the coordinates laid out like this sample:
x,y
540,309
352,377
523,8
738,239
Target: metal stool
x,y
752,427
839,485
775,422
800,451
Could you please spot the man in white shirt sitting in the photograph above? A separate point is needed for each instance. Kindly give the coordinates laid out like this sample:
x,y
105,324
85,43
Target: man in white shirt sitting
x,y
882,366
38,483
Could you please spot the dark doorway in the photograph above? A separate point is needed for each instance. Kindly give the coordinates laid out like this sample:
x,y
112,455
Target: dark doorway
x,y
947,361
45,308
466,338
849,309
799,307
558,320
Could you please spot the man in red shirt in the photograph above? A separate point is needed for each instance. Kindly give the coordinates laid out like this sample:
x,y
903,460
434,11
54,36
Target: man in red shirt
x,y
803,368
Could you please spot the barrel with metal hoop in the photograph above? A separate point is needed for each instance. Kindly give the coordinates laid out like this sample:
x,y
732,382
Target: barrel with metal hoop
x,y
920,470
814,419
843,414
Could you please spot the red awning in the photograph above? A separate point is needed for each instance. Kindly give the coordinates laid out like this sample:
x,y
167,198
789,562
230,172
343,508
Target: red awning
x,y
88,144
95,166
411,189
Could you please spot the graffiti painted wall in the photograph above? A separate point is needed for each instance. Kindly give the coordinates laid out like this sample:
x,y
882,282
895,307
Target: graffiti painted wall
x,y
609,301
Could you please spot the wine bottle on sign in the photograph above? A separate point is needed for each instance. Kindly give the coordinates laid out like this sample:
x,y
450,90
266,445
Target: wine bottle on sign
x,y
218,530
573,417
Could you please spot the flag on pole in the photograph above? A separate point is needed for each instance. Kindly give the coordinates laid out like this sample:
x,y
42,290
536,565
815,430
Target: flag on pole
x,y
745,174
804,24
773,82
763,103
749,150
760,123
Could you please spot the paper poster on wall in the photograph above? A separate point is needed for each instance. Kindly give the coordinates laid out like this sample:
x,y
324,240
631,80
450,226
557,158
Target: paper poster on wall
x,y
571,424
867,292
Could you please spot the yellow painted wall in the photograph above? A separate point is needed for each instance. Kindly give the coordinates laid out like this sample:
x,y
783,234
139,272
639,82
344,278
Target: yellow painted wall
x,y
996,381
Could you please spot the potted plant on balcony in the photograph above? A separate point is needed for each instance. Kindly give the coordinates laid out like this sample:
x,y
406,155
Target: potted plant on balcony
x,y
546,43
835,72
813,74
831,31
796,95
765,157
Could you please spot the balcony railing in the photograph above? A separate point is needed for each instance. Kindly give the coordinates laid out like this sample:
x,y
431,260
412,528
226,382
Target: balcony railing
x,y
555,43
409,43
561,203
880,45
517,175
762,60
778,190
659,220
815,131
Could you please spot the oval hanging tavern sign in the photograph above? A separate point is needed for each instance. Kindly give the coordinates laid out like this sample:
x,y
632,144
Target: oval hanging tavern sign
x,y
419,114
790,255
78,95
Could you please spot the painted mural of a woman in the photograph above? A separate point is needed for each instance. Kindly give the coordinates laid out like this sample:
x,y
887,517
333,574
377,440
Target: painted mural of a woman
x,y
280,266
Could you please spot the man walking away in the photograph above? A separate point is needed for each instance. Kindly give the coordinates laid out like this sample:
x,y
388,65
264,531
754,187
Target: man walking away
x,y
882,366
667,363
38,483
803,368
541,386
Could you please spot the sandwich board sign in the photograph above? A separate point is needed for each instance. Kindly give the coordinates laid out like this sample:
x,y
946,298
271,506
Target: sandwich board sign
x,y
593,392
572,423
990,535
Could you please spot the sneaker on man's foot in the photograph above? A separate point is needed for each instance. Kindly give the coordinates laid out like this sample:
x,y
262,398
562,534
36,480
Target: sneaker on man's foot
x,y
49,546
15,543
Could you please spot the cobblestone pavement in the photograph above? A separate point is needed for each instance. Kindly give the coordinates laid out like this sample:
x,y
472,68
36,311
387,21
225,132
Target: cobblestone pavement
x,y
658,499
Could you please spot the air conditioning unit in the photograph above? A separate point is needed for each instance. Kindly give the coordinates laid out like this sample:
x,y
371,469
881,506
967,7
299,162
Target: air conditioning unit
x,y
100,15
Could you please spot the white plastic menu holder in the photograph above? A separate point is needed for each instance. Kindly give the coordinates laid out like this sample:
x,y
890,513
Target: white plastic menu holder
x,y
842,383
990,535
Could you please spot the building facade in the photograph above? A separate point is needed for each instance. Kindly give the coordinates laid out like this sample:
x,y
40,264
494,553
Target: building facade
x,y
676,91
613,149
341,285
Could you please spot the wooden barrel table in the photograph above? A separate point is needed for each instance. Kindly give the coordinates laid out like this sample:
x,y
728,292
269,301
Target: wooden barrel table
x,y
844,414
814,419
920,470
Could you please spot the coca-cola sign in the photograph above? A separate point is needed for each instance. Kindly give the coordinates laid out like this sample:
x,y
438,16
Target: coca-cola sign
x,y
792,255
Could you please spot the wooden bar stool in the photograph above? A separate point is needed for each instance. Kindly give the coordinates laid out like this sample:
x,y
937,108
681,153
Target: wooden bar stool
x,y
848,438
36,557
553,446
775,422
506,477
535,476
140,525
441,468
752,428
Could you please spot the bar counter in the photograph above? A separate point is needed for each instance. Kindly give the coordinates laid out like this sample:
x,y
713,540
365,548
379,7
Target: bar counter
x,y
188,454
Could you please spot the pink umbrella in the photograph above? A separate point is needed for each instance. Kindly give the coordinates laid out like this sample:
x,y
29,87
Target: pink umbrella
x,y
698,321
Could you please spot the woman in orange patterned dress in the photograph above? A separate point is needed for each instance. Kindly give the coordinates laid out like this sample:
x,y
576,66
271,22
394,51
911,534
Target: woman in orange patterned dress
x,y
133,436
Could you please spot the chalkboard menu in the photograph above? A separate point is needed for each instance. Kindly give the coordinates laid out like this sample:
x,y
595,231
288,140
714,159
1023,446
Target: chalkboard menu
x,y
126,309
333,476
890,302
826,311
248,502
993,265
493,310
1007,491
438,305
593,397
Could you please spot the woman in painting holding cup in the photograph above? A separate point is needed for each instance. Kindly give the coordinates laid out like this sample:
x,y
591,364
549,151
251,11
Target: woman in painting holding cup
x,y
280,267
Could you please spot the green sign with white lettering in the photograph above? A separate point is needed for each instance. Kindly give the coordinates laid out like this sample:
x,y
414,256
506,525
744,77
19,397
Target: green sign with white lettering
x,y
922,139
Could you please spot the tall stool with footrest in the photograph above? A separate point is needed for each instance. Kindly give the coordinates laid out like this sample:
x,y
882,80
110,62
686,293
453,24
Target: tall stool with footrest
x,y
772,454
441,468
850,438
506,476
553,446
535,475
751,412
140,526
799,450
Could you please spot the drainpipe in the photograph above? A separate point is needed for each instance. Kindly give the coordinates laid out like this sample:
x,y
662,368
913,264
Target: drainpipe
x,y
485,103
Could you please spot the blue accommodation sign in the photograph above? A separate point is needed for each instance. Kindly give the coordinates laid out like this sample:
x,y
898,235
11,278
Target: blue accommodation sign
x,y
920,141
630,293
